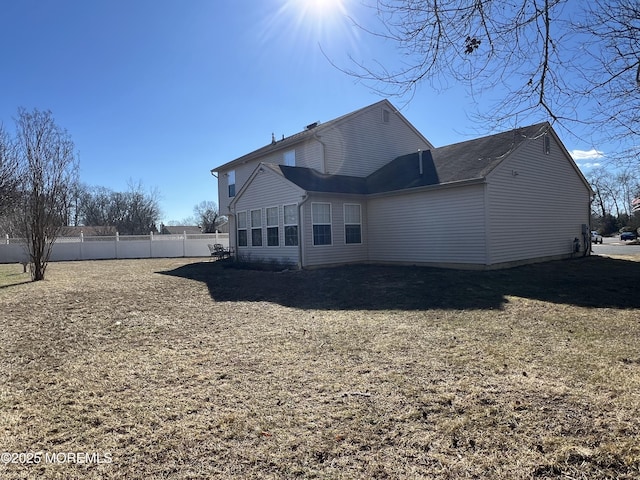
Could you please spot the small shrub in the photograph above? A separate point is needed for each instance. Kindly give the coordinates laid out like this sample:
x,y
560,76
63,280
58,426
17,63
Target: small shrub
x,y
245,262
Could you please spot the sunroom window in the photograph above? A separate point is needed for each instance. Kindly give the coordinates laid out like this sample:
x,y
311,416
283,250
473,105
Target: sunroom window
x,y
321,217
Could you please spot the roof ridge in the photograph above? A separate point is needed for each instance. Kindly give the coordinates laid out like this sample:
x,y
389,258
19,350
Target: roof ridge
x,y
310,130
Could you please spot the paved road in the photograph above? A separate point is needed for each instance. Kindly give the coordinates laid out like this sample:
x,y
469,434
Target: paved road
x,y
614,246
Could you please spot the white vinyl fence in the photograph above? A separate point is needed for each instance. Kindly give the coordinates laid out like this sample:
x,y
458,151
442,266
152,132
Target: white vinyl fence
x,y
13,250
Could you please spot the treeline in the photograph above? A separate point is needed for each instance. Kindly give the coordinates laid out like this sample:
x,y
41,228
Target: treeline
x,y
616,203
132,212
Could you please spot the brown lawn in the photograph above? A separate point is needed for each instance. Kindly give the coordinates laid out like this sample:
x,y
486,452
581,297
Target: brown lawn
x,y
181,368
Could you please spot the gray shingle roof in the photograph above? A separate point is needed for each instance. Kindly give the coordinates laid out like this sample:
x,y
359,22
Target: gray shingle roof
x,y
469,160
314,181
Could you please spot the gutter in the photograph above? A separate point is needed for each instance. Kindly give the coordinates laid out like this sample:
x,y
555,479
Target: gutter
x,y
438,186
324,156
305,197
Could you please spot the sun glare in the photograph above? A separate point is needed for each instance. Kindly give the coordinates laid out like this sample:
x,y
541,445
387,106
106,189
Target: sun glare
x,y
322,8
318,14
307,24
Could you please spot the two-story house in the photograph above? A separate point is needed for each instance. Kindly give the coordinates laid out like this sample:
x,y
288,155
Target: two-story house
x,y
368,187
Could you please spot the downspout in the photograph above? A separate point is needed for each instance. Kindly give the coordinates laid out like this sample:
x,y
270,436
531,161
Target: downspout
x,y
235,232
324,157
305,197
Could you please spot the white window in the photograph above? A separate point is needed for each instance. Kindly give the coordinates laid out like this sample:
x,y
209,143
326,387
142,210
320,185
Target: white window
x,y
321,218
231,181
242,229
256,228
290,158
352,223
290,225
273,232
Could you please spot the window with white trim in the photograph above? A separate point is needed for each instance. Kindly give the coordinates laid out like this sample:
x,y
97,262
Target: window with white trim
x,y
231,181
321,218
256,228
290,158
273,232
352,223
290,225
242,229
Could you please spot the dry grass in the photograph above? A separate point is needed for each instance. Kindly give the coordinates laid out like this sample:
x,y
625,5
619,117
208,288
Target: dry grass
x,y
179,368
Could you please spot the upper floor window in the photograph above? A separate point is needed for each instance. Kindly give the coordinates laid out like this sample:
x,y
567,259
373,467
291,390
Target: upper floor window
x,y
386,114
231,181
290,158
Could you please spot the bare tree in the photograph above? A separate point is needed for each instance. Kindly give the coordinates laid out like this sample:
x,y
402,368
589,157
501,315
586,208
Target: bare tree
x,y
9,179
48,172
614,45
207,216
544,58
134,212
607,200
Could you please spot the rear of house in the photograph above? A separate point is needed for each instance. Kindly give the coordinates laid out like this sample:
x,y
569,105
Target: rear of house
x,y
351,193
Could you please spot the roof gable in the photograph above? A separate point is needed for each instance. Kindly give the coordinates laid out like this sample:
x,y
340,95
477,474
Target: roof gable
x,y
312,131
469,160
266,168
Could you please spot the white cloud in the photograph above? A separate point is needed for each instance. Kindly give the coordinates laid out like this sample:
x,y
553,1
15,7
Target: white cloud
x,y
592,154
587,165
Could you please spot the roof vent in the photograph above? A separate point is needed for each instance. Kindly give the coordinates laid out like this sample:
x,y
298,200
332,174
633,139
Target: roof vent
x,y
312,125
273,139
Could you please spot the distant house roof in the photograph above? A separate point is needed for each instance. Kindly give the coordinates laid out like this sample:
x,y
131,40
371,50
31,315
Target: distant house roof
x,y
89,231
469,160
180,229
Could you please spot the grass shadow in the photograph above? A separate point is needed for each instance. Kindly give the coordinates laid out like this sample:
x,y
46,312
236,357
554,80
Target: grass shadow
x,y
586,282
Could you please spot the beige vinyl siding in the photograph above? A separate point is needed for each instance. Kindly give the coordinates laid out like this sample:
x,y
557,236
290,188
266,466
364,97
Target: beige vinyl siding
x,y
537,204
308,154
365,143
339,252
439,227
268,189
243,172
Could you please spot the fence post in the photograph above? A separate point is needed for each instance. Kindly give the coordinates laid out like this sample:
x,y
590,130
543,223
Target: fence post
x,y
150,244
117,243
184,244
7,235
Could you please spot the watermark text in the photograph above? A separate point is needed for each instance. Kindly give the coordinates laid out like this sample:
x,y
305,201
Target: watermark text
x,y
35,458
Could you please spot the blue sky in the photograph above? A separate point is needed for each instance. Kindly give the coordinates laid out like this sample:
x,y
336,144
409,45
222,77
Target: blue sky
x,y
162,91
